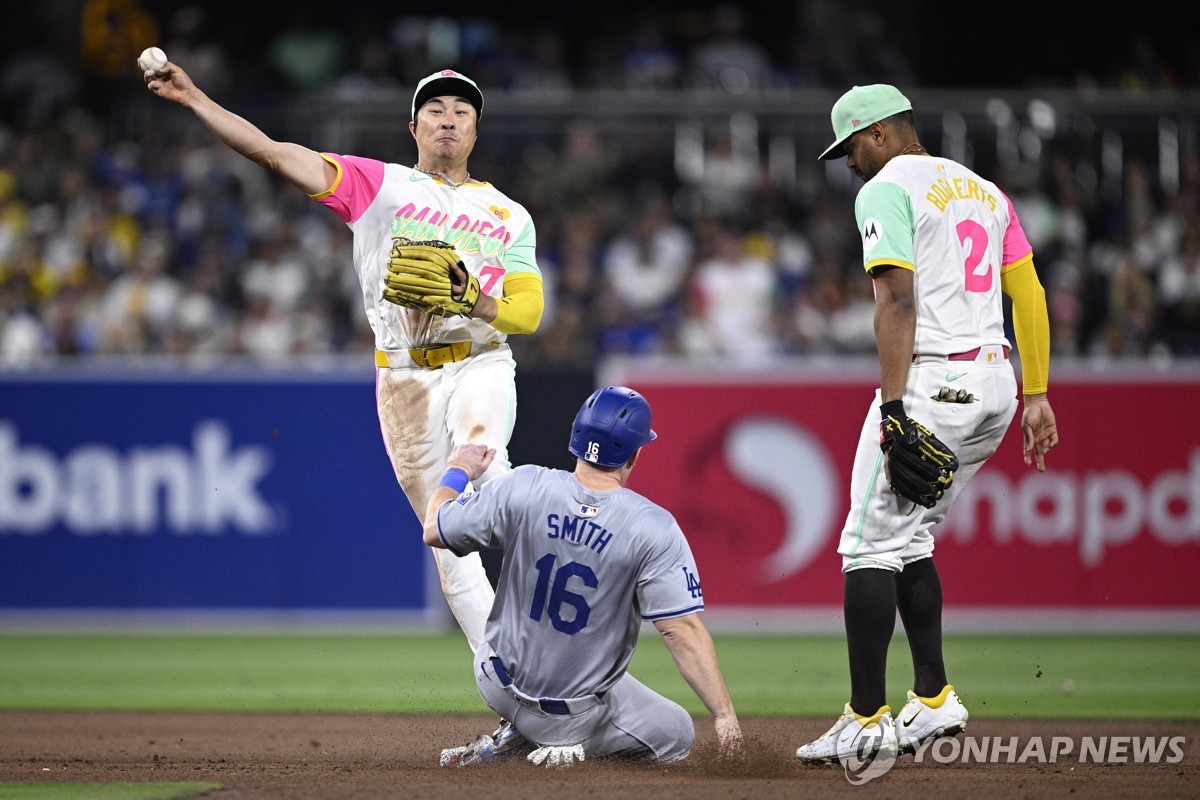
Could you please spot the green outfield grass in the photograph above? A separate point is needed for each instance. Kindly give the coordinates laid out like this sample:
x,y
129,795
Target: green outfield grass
x,y
998,676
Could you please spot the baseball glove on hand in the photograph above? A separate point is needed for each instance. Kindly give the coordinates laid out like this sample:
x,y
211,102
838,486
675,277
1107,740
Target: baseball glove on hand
x,y
920,466
429,276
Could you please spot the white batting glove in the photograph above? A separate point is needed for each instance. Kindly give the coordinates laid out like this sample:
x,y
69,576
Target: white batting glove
x,y
562,756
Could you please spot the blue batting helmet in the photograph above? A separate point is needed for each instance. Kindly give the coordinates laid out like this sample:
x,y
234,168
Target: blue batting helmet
x,y
611,426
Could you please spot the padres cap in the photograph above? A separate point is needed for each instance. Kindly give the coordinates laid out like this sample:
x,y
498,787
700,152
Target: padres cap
x,y
860,107
447,82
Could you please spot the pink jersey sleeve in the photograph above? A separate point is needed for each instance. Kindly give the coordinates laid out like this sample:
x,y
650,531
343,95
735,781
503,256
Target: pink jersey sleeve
x,y
1016,244
355,187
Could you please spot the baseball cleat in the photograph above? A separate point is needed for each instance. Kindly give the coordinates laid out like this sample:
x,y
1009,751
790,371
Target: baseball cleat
x,y
853,735
925,718
504,743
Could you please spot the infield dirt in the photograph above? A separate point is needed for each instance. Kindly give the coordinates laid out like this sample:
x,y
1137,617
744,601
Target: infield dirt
x,y
308,756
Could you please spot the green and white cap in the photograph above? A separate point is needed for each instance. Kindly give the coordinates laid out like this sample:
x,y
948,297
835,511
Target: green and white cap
x,y
447,82
860,107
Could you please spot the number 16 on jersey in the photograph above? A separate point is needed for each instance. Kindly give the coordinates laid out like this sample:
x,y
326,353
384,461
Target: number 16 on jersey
x,y
553,582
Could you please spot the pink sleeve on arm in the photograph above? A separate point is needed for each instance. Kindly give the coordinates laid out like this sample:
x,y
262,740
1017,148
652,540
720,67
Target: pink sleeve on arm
x,y
355,187
1016,244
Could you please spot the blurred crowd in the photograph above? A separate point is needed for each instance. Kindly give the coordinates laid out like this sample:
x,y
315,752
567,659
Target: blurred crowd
x,y
138,243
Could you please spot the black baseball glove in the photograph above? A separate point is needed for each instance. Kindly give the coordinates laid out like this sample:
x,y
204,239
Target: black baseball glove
x,y
920,466
429,276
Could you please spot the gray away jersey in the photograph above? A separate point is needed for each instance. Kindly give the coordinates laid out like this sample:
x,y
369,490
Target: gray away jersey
x,y
581,570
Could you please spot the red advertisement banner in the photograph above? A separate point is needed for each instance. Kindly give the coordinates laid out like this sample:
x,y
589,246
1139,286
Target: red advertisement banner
x,y
757,473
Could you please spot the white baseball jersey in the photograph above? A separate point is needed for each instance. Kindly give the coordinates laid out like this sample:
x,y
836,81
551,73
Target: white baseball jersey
x,y
581,570
424,413
957,232
493,235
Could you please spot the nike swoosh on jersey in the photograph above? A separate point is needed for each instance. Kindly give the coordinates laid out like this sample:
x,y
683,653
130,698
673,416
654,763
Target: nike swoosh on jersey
x,y
953,378
414,177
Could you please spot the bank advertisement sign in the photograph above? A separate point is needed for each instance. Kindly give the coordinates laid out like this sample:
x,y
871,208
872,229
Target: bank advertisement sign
x,y
201,493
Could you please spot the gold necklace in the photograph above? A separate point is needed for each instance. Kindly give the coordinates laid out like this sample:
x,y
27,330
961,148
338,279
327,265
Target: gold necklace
x,y
441,175
913,148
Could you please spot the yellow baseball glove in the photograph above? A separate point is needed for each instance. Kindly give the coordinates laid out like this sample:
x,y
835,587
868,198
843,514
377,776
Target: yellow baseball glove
x,y
429,276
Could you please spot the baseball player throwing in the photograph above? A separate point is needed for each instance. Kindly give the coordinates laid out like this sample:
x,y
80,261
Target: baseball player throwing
x,y
585,561
941,244
444,373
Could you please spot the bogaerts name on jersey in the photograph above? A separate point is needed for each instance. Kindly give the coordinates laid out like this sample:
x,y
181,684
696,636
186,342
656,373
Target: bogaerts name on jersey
x,y
578,531
943,191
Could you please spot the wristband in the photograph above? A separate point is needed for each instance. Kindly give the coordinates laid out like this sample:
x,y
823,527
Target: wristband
x,y
455,479
893,408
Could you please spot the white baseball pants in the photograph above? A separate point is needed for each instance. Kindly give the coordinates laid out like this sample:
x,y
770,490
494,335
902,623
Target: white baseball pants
x,y
880,532
423,414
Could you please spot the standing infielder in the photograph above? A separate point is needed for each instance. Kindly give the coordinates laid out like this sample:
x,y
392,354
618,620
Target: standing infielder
x,y
440,313
585,561
941,243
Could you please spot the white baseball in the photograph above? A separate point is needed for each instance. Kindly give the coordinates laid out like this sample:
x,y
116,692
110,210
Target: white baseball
x,y
152,58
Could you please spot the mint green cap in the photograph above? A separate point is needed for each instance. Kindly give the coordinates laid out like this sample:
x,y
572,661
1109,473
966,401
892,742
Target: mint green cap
x,y
860,107
447,82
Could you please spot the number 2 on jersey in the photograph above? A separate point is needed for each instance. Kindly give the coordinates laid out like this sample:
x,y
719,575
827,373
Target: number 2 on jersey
x,y
977,278
560,595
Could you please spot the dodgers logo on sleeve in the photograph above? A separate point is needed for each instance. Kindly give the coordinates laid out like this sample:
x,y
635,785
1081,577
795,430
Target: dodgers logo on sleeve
x,y
693,583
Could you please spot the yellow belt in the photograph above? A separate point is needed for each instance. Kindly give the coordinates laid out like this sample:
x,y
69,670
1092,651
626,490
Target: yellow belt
x,y
434,356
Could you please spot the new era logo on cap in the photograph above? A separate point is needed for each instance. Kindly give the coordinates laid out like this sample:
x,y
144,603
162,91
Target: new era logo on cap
x,y
447,82
862,105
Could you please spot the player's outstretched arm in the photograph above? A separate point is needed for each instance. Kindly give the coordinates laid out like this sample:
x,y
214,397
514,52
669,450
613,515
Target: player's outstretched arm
x,y
692,648
298,165
466,463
